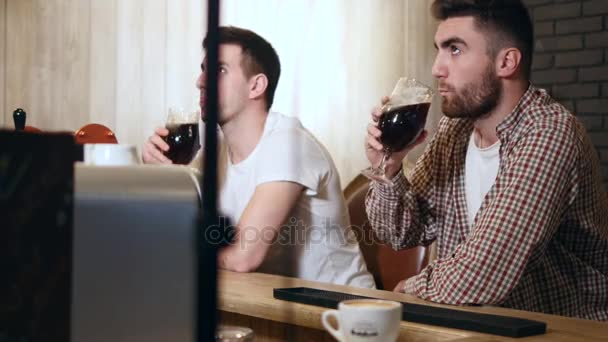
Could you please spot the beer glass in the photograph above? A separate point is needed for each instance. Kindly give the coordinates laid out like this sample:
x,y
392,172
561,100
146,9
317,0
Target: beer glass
x,y
183,138
401,122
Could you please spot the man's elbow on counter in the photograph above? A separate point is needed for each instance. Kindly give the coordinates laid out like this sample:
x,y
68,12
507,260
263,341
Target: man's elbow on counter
x,y
243,264
244,267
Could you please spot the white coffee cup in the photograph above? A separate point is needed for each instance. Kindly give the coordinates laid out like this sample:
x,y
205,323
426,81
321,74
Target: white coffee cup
x,y
110,154
369,320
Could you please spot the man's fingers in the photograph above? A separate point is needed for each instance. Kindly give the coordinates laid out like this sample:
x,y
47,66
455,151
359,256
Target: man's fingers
x,y
159,143
377,111
161,131
155,146
374,131
155,154
376,114
373,134
374,144
150,153
148,158
400,287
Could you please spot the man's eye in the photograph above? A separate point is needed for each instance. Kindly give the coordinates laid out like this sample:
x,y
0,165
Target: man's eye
x,y
455,50
223,70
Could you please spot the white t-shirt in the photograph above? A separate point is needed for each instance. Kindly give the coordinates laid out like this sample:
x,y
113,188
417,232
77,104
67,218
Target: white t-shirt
x,y
481,168
316,242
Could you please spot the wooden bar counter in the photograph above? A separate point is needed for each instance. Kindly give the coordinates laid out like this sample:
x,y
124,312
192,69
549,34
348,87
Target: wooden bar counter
x,y
245,299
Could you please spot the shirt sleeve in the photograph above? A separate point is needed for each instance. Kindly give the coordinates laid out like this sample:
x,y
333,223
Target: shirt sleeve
x,y
292,155
532,190
404,215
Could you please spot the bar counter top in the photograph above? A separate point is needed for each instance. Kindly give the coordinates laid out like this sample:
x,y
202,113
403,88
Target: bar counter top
x,y
246,299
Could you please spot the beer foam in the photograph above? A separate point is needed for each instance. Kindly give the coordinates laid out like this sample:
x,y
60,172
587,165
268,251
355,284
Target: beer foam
x,y
409,91
180,116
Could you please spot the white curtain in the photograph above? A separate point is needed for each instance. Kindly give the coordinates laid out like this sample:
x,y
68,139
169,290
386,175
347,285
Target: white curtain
x,y
338,58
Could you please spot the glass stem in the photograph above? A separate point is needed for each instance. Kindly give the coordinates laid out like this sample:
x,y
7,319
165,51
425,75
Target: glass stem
x,y
382,165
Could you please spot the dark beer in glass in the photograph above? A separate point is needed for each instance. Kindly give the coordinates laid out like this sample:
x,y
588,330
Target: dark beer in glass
x,y
403,118
401,125
183,137
183,142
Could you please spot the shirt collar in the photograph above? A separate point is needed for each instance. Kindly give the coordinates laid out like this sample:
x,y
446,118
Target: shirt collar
x,y
512,120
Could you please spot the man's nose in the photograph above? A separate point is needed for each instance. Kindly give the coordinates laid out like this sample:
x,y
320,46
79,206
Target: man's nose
x,y
200,82
438,69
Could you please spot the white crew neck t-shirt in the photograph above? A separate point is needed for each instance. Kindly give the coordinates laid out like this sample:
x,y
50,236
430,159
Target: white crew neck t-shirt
x,y
481,168
316,242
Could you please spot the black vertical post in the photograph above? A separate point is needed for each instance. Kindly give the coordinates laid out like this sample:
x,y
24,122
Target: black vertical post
x,y
211,107
208,228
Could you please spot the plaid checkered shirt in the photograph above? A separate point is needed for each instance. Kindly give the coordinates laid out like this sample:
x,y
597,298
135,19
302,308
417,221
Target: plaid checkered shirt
x,y
539,242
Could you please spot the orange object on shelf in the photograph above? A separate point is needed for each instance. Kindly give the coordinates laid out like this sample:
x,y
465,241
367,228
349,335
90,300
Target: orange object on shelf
x,y
95,134
32,129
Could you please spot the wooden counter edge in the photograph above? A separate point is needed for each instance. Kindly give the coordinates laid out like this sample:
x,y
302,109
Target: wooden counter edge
x,y
251,294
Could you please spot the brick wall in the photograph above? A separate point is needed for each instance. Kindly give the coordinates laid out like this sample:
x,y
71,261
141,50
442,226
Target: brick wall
x,y
571,61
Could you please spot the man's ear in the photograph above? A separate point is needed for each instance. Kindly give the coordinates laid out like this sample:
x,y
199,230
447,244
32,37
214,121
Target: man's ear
x,y
508,62
257,86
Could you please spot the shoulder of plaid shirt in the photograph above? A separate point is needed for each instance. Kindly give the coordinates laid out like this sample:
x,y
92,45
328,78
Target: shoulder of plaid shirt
x,y
548,169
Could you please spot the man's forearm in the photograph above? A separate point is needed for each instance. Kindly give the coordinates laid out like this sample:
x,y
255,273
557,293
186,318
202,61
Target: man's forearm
x,y
236,258
395,217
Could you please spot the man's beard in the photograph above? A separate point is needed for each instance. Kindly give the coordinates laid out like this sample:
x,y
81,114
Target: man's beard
x,y
476,99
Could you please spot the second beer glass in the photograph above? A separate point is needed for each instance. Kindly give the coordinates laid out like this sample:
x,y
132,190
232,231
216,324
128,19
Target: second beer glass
x,y
183,138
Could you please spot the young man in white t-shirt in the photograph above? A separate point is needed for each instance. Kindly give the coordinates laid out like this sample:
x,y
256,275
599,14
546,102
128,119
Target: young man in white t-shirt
x,y
278,183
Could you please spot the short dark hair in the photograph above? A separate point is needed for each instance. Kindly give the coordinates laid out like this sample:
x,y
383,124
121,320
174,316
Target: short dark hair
x,y
259,57
508,21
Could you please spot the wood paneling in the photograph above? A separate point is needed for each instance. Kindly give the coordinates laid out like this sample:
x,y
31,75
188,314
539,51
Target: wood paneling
x,y
73,111
129,71
47,58
103,62
18,59
3,110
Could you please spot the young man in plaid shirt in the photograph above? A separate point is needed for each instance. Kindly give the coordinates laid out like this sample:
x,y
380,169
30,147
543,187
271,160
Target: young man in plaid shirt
x,y
509,186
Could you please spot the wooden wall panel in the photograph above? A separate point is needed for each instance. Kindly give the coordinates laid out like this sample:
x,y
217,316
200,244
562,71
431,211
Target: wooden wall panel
x,y
47,59
17,30
73,111
3,109
72,62
103,62
129,71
